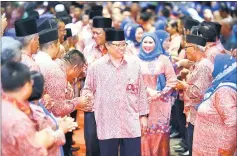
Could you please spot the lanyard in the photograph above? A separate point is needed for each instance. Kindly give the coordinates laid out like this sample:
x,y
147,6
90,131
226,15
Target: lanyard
x,y
54,119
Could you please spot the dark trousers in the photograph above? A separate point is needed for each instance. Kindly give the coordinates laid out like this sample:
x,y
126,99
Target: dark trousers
x,y
68,136
90,134
68,145
173,121
190,138
181,119
128,147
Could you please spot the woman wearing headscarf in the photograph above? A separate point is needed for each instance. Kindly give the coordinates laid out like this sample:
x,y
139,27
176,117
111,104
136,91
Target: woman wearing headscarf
x,y
134,39
164,38
127,30
160,78
216,124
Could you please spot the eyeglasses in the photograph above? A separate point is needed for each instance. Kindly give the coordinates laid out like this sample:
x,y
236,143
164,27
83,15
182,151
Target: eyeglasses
x,y
120,45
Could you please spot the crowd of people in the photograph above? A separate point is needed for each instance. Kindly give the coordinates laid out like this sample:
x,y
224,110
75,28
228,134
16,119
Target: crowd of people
x,y
142,73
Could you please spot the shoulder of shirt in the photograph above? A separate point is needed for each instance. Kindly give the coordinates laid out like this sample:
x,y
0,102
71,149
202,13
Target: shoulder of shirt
x,y
206,63
10,112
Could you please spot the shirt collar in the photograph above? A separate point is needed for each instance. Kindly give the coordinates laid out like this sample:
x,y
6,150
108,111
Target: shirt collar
x,y
108,59
103,50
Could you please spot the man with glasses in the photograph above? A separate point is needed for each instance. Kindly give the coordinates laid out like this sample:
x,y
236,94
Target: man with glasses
x,y
119,98
198,80
93,52
27,34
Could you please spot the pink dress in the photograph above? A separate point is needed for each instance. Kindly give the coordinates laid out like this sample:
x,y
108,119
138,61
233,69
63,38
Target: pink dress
x,y
216,124
156,141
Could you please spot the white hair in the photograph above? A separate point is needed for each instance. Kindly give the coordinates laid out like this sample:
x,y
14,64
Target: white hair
x,y
46,45
26,39
201,48
11,49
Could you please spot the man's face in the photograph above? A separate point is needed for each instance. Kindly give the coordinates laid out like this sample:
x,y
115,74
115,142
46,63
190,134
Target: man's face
x,y
74,72
77,12
55,49
98,36
116,49
117,21
61,32
35,44
85,19
126,14
190,51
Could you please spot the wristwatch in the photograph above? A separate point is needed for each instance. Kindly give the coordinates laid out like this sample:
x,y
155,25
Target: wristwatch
x,y
145,115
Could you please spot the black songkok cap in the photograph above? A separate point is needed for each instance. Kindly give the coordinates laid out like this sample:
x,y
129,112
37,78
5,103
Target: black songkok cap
x,y
48,35
102,22
217,27
198,40
26,27
94,14
115,35
46,23
33,14
97,8
208,32
189,23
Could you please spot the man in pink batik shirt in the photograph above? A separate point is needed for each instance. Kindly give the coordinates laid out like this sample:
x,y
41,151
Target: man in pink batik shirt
x,y
198,80
27,34
92,53
120,101
56,84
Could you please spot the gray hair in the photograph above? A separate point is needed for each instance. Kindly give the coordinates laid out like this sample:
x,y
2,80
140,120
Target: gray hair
x,y
46,45
201,48
26,39
11,50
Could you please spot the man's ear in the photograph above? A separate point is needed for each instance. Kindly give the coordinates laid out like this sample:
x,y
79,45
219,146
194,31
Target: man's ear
x,y
106,45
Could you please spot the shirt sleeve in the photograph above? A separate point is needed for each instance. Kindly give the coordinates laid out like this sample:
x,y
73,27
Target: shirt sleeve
x,y
203,80
171,78
143,102
225,103
90,84
57,91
